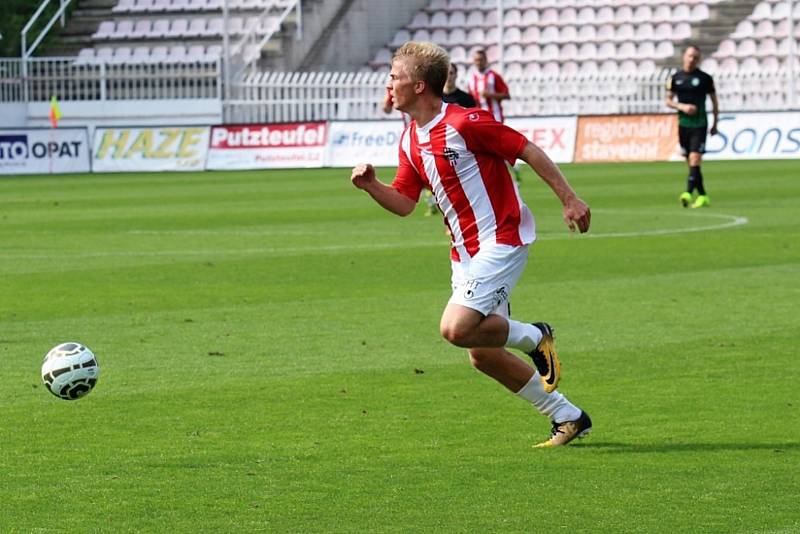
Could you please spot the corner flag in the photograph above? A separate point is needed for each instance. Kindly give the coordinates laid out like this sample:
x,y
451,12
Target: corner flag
x,y
55,112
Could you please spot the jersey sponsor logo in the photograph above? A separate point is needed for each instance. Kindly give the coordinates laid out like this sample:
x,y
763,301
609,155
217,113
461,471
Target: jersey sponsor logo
x,y
451,155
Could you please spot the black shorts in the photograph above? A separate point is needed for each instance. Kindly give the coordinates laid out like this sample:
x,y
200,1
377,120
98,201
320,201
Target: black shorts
x,y
692,139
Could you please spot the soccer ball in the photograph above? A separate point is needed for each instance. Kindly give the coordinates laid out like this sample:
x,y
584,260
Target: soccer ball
x,y
70,371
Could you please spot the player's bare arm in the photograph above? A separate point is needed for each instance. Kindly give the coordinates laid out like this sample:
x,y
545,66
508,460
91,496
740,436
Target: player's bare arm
x,y
714,112
576,212
363,177
495,96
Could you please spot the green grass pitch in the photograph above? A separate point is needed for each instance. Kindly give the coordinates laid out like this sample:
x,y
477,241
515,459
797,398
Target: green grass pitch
x,y
270,358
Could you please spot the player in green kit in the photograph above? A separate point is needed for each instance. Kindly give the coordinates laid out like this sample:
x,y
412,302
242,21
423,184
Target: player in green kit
x,y
691,85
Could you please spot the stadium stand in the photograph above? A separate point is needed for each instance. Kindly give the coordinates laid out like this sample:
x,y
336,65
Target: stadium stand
x,y
178,31
551,48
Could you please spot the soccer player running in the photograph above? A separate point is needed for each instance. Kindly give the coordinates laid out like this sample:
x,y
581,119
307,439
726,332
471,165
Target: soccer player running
x,y
691,85
460,154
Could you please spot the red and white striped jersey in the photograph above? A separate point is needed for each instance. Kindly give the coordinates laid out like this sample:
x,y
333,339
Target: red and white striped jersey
x,y
461,156
488,80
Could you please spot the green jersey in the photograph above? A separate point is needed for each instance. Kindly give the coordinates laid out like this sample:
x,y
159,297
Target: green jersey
x,y
692,88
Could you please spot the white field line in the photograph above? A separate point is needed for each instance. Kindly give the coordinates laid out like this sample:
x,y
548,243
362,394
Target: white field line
x,y
729,222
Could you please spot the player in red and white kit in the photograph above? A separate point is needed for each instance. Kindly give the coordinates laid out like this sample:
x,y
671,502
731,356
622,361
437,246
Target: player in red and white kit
x,y
460,154
487,86
489,90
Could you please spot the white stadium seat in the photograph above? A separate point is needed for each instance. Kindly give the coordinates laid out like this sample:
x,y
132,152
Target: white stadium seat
x,y
85,57
141,54
122,55
197,27
457,20
159,29
123,30
532,52
213,53
141,29
439,36
195,54
141,6
746,48
104,31
456,37
604,15
744,29
177,54
103,54
123,6
420,20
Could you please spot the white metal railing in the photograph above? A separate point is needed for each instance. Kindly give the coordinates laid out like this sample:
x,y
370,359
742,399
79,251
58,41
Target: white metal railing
x,y
282,97
27,51
286,97
68,81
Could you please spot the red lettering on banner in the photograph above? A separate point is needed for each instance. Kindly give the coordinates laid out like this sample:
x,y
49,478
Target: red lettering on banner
x,y
545,138
307,134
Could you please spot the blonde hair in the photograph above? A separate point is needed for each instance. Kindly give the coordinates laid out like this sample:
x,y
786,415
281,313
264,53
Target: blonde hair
x,y
431,64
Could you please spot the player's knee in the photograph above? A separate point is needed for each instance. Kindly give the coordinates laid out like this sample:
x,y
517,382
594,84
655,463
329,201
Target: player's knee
x,y
455,334
694,159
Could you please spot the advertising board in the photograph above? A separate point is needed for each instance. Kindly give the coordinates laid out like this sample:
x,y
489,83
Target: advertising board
x,y
755,136
356,142
626,138
44,151
268,146
554,135
167,148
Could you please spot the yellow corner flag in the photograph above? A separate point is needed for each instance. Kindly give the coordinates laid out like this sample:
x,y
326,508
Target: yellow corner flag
x,y
55,112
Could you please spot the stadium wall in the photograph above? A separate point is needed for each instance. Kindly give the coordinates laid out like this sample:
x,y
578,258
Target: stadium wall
x,y
198,146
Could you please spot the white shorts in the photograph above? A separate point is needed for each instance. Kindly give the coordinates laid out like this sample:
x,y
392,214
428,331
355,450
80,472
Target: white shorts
x,y
484,283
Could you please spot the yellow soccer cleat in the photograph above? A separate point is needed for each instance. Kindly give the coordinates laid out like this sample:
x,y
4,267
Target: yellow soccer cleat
x,y
563,433
702,202
545,358
686,199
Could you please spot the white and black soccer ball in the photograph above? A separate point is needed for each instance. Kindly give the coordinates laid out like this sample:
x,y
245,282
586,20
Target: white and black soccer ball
x,y
70,371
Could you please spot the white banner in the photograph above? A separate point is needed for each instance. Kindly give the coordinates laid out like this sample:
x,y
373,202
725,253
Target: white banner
x,y
354,142
46,151
554,135
755,136
175,148
268,146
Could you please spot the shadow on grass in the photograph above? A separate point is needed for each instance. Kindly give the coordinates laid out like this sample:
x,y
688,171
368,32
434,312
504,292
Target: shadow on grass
x,y
628,448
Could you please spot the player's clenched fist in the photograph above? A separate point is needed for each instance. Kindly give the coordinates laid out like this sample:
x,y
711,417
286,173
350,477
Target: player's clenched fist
x,y
577,215
362,175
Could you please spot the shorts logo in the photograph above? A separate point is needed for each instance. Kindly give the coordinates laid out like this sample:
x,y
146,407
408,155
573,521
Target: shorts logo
x,y
470,286
501,295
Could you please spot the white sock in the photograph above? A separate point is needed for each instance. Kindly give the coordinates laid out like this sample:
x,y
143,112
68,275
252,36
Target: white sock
x,y
554,405
523,336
